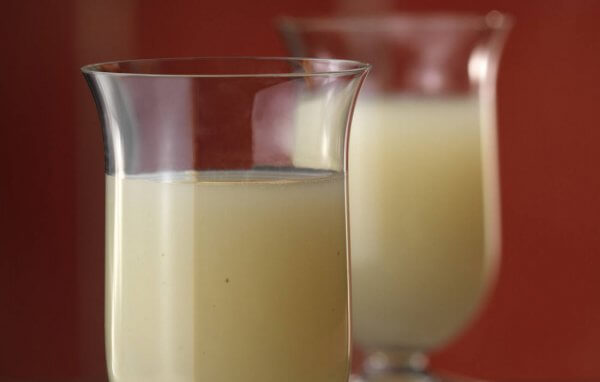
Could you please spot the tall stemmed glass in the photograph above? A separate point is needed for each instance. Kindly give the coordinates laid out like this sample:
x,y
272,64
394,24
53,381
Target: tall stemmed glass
x,y
423,177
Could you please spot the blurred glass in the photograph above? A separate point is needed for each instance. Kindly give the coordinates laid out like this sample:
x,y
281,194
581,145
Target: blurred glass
x,y
423,177
225,229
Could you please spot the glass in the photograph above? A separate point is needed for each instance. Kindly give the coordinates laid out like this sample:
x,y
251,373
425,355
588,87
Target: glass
x,y
423,177
226,250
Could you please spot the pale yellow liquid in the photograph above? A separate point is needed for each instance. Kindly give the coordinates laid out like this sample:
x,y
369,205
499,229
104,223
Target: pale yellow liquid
x,y
211,278
422,238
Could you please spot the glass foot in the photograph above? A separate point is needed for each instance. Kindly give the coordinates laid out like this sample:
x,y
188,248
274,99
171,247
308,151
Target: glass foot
x,y
412,377
401,365
396,377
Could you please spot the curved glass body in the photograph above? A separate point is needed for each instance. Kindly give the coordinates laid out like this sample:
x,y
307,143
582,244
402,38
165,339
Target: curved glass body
x,y
423,175
226,252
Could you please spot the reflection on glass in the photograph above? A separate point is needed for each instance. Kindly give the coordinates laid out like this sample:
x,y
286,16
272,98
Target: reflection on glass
x,y
423,186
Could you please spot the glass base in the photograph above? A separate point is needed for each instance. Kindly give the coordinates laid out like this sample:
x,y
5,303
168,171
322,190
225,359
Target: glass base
x,y
408,376
402,366
395,377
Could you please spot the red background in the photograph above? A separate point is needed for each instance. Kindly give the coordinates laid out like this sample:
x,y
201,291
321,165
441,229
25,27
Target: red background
x,y
543,321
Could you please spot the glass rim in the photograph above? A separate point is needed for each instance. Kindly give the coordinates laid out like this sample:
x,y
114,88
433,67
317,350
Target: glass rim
x,y
492,20
353,67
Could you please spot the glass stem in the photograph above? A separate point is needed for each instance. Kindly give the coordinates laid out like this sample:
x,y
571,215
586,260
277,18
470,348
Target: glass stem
x,y
395,362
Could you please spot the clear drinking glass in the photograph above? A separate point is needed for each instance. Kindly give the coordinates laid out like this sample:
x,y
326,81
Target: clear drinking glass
x,y
423,177
226,254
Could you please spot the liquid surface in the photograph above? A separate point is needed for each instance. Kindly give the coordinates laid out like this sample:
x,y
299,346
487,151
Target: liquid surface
x,y
418,220
226,277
